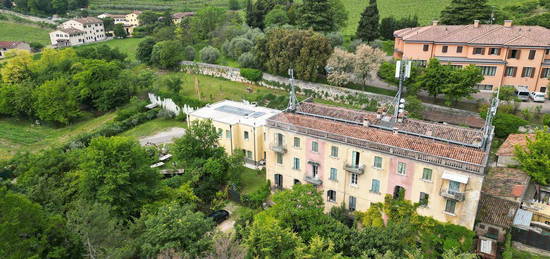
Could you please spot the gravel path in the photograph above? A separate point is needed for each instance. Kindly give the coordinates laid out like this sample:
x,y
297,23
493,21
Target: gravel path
x,y
163,137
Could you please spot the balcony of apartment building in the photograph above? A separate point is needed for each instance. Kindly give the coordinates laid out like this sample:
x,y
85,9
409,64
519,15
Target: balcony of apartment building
x,y
355,167
453,186
278,144
312,174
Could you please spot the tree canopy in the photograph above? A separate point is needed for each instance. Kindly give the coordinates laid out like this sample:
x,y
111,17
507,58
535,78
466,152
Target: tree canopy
x,y
534,158
465,12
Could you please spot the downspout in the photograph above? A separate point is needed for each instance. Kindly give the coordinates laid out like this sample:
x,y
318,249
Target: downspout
x,y
505,65
231,138
254,132
537,76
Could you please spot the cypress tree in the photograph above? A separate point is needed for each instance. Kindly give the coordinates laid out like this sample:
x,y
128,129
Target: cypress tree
x,y
318,15
367,30
465,12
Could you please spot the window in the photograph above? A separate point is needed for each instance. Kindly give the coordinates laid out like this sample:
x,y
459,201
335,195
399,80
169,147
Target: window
x,y
355,156
296,163
456,66
315,170
459,49
427,174
547,52
296,142
494,51
454,186
425,47
421,63
354,179
227,134
331,196
545,73
532,54
279,139
278,181
352,203
279,158
479,51
510,71
401,168
375,186
314,146
543,90
528,72
333,174
249,154
424,197
246,135
334,151
484,87
377,162
450,206
488,70
514,53
445,49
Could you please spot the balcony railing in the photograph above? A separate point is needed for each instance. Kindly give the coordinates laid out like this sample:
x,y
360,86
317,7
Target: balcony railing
x,y
356,169
459,196
384,148
313,180
279,148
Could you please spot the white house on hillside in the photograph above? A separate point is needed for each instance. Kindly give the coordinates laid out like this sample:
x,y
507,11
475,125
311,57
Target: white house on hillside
x,y
78,31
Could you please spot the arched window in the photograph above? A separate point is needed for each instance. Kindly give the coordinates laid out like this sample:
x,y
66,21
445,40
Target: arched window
x,y
331,196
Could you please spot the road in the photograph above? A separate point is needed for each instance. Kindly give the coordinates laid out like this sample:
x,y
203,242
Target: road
x,y
164,137
28,17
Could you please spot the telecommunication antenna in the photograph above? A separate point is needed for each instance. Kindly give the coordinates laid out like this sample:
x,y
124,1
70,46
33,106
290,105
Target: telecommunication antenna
x,y
402,72
292,100
491,112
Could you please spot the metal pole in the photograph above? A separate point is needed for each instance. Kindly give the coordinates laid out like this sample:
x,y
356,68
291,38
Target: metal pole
x,y
401,76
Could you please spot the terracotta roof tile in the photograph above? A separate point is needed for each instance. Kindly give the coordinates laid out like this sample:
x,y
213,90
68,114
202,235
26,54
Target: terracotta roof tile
x,y
87,20
506,183
181,15
496,211
9,44
507,148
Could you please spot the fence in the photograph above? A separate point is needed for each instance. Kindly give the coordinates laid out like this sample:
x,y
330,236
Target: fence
x,y
532,238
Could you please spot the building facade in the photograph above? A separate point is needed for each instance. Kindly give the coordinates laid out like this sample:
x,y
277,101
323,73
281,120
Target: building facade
x,y
177,17
6,46
241,127
78,31
354,159
506,54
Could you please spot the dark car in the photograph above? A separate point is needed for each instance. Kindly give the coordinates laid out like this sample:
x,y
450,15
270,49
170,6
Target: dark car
x,y
219,216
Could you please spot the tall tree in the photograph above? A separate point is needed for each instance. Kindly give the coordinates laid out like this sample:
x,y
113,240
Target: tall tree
x,y
119,31
116,171
317,15
144,50
367,30
56,101
465,12
534,158
167,54
434,78
462,85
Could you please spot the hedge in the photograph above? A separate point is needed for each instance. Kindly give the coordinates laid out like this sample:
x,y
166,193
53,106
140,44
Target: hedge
x,y
251,74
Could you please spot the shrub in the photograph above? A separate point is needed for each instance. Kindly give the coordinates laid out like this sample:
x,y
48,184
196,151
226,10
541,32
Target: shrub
x,y
189,53
506,123
546,119
247,60
251,74
36,46
237,46
255,199
209,54
335,38
414,106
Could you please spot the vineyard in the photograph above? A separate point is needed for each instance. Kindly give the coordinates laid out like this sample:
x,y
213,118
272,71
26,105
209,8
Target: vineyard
x,y
126,6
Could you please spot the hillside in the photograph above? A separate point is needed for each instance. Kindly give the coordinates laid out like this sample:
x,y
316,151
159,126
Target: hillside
x,y
125,6
10,31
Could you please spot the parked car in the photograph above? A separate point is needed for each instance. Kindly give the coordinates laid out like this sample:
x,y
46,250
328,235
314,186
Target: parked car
x,y
219,216
522,93
537,96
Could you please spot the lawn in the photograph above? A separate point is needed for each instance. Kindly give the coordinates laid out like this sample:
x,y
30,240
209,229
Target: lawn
x,y
20,135
251,180
152,127
126,6
426,10
10,31
128,46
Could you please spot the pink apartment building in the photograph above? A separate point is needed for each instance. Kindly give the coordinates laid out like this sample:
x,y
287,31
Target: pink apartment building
x,y
506,54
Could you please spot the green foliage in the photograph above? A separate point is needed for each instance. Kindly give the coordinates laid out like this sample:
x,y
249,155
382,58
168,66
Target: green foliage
x,y
209,54
167,54
36,46
103,52
255,199
27,231
269,239
465,12
174,227
116,171
276,17
237,46
247,60
207,20
44,8
251,74
145,50
56,101
119,31
189,53
414,107
389,24
506,124
304,51
234,5
534,158
321,15
342,214
507,93
367,30
546,119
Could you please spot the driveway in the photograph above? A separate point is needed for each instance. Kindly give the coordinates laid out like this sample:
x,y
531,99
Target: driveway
x,y
163,137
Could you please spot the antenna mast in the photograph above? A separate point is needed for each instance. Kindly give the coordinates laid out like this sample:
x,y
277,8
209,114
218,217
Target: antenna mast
x,y
292,100
402,72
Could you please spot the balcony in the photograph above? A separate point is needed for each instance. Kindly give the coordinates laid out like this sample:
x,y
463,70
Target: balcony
x,y
356,169
279,148
313,180
458,196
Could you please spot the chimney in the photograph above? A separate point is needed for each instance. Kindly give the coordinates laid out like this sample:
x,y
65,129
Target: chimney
x,y
435,22
476,23
507,23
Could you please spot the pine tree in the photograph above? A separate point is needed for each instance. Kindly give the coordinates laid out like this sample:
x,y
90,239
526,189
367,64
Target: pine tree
x,y
465,12
318,15
367,30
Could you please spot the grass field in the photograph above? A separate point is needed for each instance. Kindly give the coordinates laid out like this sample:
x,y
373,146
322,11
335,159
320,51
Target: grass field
x,y
10,31
426,10
126,6
128,46
152,127
18,135
251,180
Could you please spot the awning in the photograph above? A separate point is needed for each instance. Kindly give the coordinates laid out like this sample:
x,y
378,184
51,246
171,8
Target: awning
x,y
455,177
523,218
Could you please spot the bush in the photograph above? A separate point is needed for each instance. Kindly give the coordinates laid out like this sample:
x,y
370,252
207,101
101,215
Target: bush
x,y
335,38
414,106
546,119
237,46
251,74
209,54
189,53
254,200
247,60
36,46
506,124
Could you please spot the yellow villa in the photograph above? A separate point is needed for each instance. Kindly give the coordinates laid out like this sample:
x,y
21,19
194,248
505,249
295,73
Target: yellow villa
x,y
241,125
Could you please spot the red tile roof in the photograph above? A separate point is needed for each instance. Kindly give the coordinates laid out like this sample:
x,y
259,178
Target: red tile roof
x,y
385,137
506,183
484,34
87,20
9,44
507,148
496,211
181,15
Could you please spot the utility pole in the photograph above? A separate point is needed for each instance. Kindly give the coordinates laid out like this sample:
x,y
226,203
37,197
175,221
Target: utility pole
x,y
402,72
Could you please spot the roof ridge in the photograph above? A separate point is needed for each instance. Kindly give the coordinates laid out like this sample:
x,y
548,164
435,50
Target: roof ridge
x,y
497,27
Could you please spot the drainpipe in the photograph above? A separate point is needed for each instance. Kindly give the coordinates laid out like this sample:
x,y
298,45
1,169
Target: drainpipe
x,y
254,133
231,138
537,76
